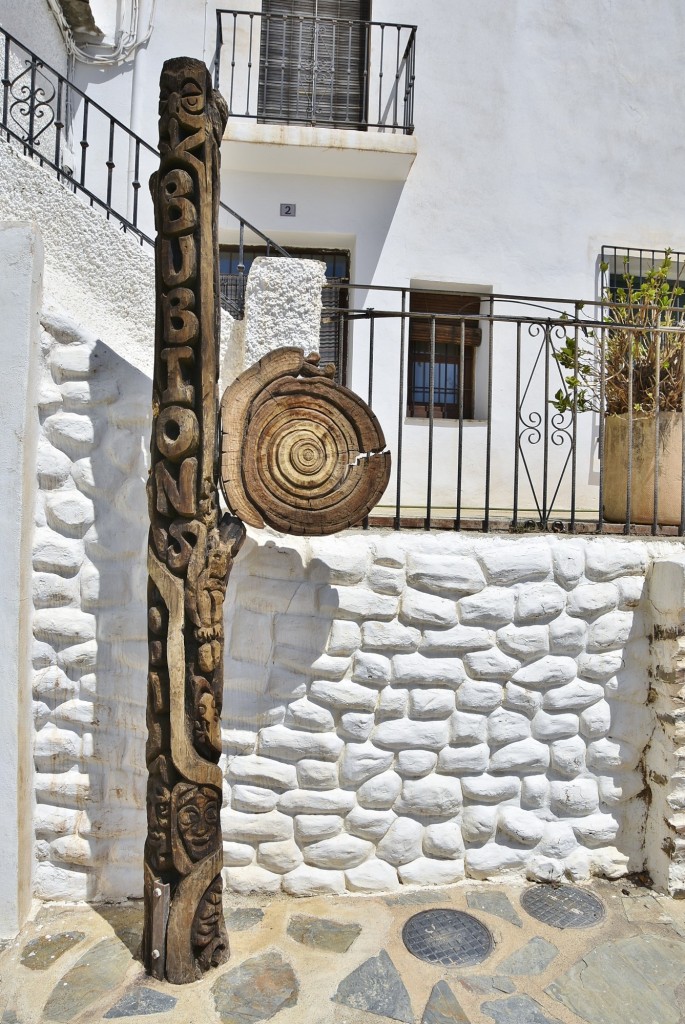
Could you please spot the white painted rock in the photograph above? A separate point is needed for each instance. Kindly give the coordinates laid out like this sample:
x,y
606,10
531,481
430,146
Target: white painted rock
x,y
380,792
464,760
544,869
577,797
344,638
238,855
596,829
599,668
386,580
568,560
251,880
490,788
478,823
546,672
253,770
567,757
610,557
344,695
371,669
592,599
518,698
417,609
361,761
372,876
426,871
310,828
53,553
389,636
312,801
507,727
523,642
522,827
477,695
393,703
492,664
491,859
71,432
338,560
386,551
431,704
355,727
368,824
342,851
619,787
609,863
417,670
311,881
547,727
595,721
435,796
508,562
610,631
357,603
278,741
252,799
606,755
573,696
317,775
466,728
458,640
539,602
404,734
443,840
279,857
558,840
414,764
304,714
522,756
535,792
444,574
52,465
492,608
402,842
567,636
272,826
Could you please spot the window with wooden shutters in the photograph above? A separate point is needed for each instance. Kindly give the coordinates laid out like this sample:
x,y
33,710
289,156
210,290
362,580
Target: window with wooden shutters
x,y
447,367
313,62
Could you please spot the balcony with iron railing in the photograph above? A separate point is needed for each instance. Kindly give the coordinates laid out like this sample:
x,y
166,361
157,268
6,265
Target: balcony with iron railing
x,y
322,83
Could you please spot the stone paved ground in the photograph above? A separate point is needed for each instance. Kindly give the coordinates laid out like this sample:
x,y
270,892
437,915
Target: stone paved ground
x,y
341,960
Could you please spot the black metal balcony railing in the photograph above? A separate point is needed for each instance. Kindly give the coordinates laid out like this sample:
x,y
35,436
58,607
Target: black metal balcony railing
x,y
305,70
93,153
521,463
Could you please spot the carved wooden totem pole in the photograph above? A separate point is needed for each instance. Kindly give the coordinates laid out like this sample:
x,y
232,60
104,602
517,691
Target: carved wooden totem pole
x,y
299,453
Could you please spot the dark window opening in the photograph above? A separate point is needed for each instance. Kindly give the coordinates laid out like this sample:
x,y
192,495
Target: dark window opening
x,y
314,62
447,368
333,334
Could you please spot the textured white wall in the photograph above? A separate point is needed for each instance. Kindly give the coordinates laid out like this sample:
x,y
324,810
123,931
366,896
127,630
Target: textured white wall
x,y
21,266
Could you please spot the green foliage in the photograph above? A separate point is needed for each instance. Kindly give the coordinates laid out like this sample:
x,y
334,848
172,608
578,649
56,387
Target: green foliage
x,y
614,367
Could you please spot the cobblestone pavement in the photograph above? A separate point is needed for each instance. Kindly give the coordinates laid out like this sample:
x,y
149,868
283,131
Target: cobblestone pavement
x,y
343,960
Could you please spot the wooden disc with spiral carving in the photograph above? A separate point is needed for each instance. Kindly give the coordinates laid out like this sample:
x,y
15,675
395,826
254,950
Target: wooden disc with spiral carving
x,y
299,452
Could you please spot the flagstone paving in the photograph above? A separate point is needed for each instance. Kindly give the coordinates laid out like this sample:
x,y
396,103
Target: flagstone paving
x,y
341,960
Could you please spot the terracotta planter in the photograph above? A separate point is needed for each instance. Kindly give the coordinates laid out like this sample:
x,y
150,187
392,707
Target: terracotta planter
x,y
616,448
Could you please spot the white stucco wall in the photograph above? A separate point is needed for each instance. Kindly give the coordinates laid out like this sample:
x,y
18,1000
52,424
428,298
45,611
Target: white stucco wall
x,y
21,266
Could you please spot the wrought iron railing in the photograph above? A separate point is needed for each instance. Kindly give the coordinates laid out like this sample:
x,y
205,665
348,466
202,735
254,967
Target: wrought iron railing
x,y
306,70
534,454
92,152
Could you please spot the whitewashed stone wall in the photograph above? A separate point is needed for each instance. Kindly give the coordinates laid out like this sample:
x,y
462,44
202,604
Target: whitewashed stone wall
x,y
89,650
413,708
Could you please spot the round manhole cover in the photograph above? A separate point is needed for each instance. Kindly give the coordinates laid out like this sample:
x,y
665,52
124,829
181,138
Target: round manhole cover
x,y
447,937
563,906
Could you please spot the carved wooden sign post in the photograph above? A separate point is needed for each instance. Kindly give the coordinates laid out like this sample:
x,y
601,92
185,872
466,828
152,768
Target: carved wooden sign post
x,y
299,453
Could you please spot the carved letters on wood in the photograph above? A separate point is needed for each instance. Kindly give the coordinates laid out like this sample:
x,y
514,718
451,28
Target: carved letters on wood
x,y
299,453
190,549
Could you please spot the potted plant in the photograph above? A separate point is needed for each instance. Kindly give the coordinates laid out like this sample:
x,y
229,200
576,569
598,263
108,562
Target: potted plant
x,y
625,372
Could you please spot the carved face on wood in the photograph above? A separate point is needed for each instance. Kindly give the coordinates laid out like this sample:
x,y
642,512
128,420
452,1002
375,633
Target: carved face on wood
x,y
208,725
159,822
208,935
198,816
188,104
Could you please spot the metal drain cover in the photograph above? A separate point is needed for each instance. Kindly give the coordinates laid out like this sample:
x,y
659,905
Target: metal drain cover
x,y
563,906
447,937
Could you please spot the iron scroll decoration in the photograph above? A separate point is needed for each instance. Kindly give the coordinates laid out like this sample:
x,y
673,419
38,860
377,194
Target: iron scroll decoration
x,y
299,453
